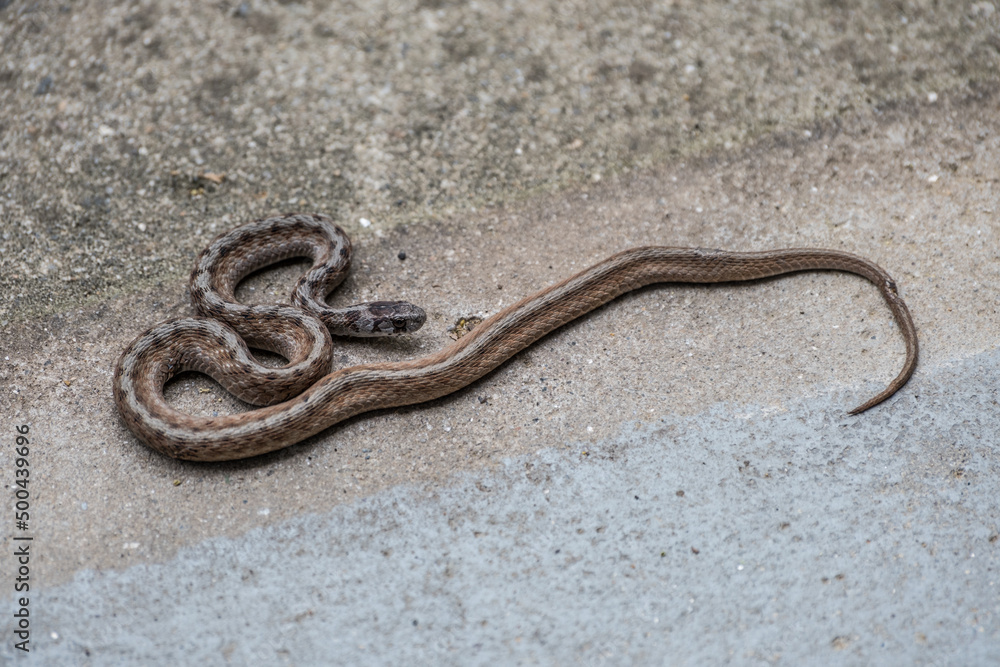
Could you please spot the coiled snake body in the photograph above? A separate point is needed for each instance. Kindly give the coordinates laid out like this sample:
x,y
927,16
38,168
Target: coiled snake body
x,y
304,398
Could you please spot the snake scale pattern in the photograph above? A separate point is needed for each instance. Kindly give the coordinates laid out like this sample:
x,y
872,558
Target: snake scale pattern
x,y
304,397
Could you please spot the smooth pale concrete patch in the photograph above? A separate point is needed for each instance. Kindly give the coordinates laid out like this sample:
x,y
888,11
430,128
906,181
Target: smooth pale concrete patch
x,y
740,534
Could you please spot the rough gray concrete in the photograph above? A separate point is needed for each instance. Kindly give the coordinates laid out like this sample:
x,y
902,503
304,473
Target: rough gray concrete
x,y
117,116
737,535
504,149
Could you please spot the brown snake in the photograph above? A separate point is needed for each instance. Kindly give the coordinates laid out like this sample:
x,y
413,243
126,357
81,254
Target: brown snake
x,y
304,398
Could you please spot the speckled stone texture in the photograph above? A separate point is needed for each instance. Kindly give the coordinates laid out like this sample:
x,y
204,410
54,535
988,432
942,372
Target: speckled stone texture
x,y
534,517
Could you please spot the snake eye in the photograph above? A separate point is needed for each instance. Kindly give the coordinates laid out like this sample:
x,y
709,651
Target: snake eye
x,y
399,322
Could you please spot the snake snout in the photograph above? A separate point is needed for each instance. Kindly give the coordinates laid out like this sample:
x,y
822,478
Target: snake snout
x,y
408,318
392,318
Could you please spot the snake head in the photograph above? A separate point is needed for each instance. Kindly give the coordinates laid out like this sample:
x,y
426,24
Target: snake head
x,y
390,318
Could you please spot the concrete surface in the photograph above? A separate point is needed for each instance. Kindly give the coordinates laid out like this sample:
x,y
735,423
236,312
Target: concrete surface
x,y
737,535
503,148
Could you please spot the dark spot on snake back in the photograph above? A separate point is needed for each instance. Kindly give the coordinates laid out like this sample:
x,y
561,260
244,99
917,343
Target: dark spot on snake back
x,y
401,255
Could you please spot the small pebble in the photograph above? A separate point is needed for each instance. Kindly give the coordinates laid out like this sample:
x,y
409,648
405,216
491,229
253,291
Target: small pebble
x,y
401,255
44,86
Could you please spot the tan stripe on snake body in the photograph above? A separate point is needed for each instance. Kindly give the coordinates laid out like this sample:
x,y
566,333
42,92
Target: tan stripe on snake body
x,y
160,353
